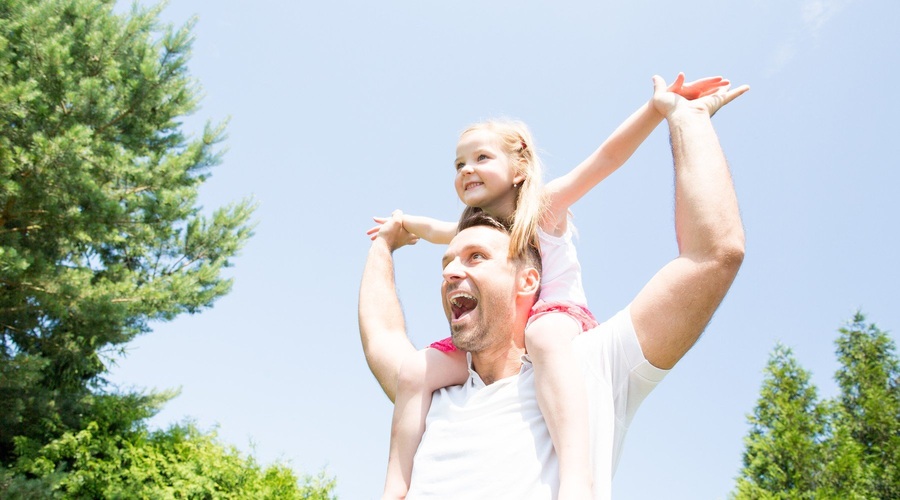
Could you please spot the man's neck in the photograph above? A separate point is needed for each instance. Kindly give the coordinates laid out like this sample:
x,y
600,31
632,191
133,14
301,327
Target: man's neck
x,y
498,363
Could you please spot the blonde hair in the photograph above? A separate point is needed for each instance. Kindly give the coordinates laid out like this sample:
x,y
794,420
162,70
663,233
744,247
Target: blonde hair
x,y
518,145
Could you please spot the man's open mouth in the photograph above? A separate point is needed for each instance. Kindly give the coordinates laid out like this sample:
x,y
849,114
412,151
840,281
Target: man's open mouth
x,y
461,303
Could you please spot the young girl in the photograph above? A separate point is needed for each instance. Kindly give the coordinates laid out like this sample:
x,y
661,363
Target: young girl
x,y
498,172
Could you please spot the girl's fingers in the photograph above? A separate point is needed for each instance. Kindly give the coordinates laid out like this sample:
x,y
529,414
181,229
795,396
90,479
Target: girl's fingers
x,y
710,80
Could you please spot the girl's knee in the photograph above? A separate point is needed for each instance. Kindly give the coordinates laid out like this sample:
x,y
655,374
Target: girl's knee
x,y
429,370
412,372
550,332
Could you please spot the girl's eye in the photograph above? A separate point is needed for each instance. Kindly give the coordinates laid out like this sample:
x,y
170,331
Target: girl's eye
x,y
460,165
482,157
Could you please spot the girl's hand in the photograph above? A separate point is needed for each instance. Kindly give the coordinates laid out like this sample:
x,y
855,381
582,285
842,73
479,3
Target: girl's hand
x,y
707,94
697,88
373,232
396,218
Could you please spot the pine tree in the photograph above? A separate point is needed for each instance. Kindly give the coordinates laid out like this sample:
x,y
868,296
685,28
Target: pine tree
x,y
100,229
869,379
847,447
782,449
843,475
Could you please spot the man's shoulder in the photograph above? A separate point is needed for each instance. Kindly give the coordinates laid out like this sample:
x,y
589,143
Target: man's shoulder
x,y
613,347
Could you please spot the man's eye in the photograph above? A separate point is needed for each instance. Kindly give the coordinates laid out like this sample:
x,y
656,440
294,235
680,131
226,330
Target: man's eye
x,y
477,256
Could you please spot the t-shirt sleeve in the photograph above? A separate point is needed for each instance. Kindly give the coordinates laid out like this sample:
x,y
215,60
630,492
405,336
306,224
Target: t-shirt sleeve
x,y
613,354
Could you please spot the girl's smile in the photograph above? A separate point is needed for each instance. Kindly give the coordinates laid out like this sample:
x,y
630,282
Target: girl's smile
x,y
484,176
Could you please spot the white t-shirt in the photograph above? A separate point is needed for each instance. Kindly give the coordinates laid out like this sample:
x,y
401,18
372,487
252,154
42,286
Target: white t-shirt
x,y
490,441
561,275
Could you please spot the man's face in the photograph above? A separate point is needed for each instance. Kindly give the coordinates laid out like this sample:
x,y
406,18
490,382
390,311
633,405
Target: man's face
x,y
479,288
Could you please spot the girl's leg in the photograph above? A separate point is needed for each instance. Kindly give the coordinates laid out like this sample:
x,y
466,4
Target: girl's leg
x,y
562,398
421,373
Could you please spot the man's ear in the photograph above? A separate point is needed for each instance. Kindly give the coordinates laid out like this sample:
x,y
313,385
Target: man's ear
x,y
529,281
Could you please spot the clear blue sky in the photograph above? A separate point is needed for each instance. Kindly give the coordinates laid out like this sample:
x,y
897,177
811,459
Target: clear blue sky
x,y
341,110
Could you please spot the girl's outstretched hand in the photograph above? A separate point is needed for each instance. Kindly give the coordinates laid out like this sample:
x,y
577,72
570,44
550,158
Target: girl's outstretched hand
x,y
373,231
708,94
697,88
399,236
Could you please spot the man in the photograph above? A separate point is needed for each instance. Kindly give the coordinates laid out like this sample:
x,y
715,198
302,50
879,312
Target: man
x,y
487,438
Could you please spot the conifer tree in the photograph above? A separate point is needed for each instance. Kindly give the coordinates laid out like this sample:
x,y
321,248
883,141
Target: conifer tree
x,y
782,449
100,234
847,447
100,229
869,379
843,475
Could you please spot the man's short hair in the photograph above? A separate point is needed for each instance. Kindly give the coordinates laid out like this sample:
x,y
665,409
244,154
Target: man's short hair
x,y
531,257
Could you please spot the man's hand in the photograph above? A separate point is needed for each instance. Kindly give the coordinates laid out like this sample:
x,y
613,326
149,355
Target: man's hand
x,y
381,326
707,94
392,231
674,308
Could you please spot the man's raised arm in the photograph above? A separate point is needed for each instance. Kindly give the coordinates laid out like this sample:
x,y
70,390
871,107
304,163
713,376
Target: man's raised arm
x,y
381,326
673,309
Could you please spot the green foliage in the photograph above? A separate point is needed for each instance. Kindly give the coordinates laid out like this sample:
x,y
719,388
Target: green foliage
x,y
100,234
842,448
785,428
180,462
869,378
100,229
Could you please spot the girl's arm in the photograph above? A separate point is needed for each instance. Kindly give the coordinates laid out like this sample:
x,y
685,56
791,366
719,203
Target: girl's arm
x,y
430,230
564,191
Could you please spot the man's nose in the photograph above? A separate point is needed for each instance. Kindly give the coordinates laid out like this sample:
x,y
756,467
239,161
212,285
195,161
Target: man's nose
x,y
453,271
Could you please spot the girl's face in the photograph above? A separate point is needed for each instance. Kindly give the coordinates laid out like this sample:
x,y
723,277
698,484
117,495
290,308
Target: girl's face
x,y
484,176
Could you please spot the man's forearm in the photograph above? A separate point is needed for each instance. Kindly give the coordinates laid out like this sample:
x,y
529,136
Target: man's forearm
x,y
672,310
381,326
707,220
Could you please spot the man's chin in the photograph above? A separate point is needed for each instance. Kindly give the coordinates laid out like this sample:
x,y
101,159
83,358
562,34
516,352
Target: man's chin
x,y
458,334
465,339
